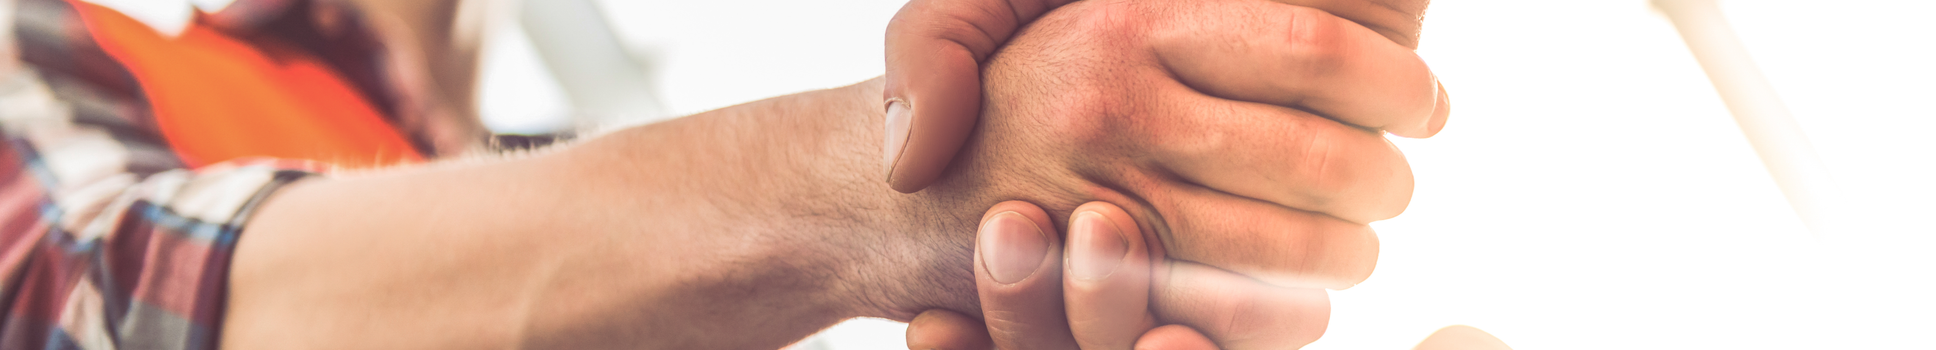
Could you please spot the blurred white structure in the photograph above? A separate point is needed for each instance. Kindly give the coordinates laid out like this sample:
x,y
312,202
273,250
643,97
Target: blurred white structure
x,y
1590,192
1780,142
607,84
559,67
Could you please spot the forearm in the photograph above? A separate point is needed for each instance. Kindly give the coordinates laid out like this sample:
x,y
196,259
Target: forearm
x,y
684,234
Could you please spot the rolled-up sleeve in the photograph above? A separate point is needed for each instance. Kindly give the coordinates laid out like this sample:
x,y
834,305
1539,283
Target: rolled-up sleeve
x,y
95,256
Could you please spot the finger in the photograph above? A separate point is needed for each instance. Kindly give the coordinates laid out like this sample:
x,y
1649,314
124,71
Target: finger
x,y
1441,113
1460,337
1018,273
933,85
1240,313
1106,281
946,330
1281,155
1280,246
1398,20
1301,57
1174,337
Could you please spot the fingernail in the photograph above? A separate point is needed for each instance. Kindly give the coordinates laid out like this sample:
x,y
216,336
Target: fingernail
x,y
1440,113
899,120
1011,247
1096,247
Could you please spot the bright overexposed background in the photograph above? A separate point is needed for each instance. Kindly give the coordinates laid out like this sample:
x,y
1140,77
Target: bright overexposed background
x,y
1591,191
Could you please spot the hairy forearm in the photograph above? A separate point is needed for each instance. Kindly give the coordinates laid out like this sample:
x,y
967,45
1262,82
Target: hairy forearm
x,y
745,227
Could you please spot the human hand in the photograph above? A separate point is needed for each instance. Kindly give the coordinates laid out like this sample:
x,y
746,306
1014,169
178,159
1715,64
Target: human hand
x,y
1113,291
1106,297
935,51
1096,102
1086,106
1041,333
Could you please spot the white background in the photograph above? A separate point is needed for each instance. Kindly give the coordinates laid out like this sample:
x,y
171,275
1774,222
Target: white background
x,y
1591,191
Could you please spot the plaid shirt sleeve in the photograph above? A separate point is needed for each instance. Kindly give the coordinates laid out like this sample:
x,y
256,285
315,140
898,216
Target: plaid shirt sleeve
x,y
94,255
106,240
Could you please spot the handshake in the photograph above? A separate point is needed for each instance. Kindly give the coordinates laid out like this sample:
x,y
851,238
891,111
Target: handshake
x,y
1232,150
1150,174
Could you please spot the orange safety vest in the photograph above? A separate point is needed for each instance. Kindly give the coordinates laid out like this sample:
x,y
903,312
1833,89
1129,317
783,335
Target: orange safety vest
x,y
216,97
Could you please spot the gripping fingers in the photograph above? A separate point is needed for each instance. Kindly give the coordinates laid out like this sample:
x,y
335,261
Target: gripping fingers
x,y
1398,20
933,85
1019,277
1016,272
1302,57
1240,313
1106,283
1282,155
1280,246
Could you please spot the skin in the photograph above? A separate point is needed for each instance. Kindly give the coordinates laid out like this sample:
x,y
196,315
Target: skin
x,y
640,237
512,282
682,234
935,49
1021,316
1461,337
1108,285
931,53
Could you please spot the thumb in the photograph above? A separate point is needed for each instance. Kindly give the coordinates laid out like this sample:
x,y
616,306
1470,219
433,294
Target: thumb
x,y
1106,280
933,84
1019,283
1018,275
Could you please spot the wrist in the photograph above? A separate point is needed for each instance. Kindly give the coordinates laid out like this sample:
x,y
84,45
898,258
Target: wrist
x,y
779,198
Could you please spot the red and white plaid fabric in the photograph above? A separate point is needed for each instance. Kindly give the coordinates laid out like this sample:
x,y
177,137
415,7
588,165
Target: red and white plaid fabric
x,y
106,240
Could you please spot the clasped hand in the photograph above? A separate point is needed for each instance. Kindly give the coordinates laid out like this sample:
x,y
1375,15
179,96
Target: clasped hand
x,y
1233,149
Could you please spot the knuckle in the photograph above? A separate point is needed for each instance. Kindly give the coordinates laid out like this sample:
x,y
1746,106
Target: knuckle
x,y
1351,174
1315,38
1305,256
1238,304
1257,318
1328,173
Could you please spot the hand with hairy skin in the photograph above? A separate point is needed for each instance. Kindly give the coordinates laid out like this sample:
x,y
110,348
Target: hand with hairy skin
x,y
1030,325
768,215
936,48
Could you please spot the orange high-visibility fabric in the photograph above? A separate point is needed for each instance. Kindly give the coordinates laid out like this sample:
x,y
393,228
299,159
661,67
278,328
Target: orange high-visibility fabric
x,y
216,97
